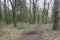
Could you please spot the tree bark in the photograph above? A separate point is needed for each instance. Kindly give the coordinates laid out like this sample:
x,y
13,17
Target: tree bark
x,y
0,11
14,13
56,15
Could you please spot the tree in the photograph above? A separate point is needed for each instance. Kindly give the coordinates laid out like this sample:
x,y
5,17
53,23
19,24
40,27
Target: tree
x,y
30,16
5,12
13,11
56,15
23,9
46,15
34,10
0,11
8,12
43,13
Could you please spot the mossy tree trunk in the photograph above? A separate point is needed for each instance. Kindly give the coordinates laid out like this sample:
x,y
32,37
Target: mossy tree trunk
x,y
14,11
34,11
43,13
56,15
5,12
0,11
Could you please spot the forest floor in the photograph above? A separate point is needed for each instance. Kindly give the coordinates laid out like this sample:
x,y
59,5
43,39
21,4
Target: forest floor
x,y
35,32
40,32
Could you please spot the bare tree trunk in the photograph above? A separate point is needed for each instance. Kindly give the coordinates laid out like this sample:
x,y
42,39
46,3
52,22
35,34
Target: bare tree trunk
x,y
5,12
30,15
34,11
43,13
0,15
56,15
8,12
14,13
0,11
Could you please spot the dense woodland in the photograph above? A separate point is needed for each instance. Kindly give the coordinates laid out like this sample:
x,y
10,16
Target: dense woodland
x,y
32,14
21,11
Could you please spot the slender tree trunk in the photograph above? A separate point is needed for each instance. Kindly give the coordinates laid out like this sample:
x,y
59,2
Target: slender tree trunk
x,y
46,16
24,11
21,10
14,13
8,12
30,15
56,15
5,12
43,13
0,11
0,15
34,12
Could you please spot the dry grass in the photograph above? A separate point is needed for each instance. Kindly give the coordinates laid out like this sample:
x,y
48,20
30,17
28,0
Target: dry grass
x,y
49,34
45,33
11,33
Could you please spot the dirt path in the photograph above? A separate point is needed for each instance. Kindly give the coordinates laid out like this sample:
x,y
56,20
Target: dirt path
x,y
34,33
40,32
